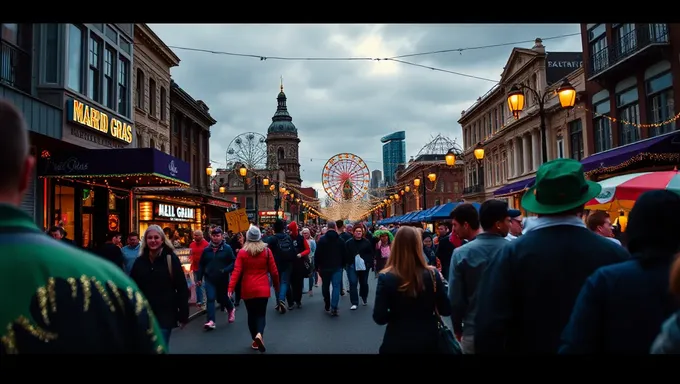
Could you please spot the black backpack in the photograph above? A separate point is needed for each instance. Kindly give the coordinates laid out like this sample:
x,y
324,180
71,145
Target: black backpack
x,y
286,248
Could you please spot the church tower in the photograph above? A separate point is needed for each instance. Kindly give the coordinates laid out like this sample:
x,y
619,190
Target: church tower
x,y
283,142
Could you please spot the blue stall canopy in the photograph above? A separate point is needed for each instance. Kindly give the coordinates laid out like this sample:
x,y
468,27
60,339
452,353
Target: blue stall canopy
x,y
408,217
442,212
422,214
139,167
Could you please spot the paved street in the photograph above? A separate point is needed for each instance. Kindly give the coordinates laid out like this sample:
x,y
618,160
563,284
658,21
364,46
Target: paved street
x,y
306,330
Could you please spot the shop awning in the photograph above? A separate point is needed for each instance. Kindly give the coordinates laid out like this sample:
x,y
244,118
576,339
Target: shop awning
x,y
407,217
133,166
632,153
515,187
442,212
420,216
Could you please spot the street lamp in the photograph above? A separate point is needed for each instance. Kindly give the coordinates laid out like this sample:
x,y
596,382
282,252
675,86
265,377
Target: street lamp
x,y
265,181
566,94
209,170
479,152
222,189
243,171
479,156
450,158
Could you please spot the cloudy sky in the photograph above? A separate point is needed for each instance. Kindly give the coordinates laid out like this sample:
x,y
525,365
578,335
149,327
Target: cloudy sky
x,y
345,106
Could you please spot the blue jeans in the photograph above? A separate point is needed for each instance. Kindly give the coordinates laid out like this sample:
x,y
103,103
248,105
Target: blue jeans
x,y
211,293
313,277
166,336
334,278
357,277
199,290
284,280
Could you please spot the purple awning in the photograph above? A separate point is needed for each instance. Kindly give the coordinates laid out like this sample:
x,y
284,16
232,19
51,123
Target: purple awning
x,y
115,162
515,187
668,143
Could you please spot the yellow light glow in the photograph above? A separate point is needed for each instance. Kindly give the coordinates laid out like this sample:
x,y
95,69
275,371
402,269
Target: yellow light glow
x,y
243,171
416,182
432,177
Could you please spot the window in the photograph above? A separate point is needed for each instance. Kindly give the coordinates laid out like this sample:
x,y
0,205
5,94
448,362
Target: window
x,y
99,27
51,53
125,46
560,147
111,34
576,139
628,114
597,38
175,124
94,74
75,58
108,90
123,80
602,129
502,112
10,33
139,88
627,39
164,108
660,103
152,97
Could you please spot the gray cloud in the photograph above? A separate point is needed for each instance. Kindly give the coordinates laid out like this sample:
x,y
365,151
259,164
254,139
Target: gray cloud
x,y
344,106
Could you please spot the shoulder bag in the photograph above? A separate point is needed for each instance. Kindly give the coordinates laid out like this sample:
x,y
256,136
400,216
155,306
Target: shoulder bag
x,y
446,341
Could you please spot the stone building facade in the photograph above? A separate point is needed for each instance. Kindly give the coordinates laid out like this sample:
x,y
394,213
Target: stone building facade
x,y
151,71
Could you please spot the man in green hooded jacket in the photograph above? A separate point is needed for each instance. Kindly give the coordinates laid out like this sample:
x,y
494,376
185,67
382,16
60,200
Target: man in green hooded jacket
x,y
54,297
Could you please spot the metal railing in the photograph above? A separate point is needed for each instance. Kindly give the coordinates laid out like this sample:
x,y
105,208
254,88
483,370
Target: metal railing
x,y
628,45
473,189
15,67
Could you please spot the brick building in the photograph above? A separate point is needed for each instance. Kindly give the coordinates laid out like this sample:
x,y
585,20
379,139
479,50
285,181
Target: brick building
x,y
151,70
447,187
632,74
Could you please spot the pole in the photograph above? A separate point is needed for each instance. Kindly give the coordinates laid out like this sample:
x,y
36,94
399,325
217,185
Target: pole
x,y
544,142
424,192
277,200
257,210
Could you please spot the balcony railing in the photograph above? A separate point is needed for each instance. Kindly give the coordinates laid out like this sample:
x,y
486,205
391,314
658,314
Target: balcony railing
x,y
628,45
473,189
15,67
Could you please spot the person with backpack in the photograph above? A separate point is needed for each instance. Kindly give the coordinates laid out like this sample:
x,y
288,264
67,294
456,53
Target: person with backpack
x,y
284,252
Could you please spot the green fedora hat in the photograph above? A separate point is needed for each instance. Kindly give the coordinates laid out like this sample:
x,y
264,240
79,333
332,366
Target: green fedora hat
x,y
560,186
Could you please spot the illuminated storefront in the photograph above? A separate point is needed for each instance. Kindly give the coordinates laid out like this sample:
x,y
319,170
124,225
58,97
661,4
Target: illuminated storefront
x,y
177,219
89,192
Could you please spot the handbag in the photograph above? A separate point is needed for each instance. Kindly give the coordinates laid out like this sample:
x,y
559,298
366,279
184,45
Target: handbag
x,y
359,264
446,341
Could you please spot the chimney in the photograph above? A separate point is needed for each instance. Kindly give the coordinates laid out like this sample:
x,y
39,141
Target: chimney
x,y
538,45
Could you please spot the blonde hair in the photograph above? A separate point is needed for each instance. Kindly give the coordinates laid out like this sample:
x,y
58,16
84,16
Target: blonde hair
x,y
155,228
406,260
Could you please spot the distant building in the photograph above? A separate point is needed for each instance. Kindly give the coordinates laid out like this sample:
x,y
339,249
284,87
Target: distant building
x,y
394,153
376,179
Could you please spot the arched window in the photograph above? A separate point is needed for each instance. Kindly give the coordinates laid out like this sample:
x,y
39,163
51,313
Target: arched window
x,y
139,89
164,109
280,154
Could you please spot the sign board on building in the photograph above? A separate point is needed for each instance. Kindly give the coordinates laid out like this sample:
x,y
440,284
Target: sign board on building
x,y
269,217
560,64
173,212
93,118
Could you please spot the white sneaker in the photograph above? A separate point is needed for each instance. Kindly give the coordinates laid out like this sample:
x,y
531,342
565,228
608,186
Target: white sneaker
x,y
353,307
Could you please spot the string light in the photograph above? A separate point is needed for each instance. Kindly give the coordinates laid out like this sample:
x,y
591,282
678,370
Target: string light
x,y
651,157
629,123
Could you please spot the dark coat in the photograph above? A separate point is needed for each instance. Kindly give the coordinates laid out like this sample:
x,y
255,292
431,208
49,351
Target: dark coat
x,y
168,294
411,323
528,291
330,252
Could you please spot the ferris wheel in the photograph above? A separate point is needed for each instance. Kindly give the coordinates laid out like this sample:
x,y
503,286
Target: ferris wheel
x,y
249,149
345,177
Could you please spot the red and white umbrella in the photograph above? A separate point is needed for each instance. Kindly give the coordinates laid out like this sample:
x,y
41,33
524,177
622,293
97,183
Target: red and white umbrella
x,y
621,192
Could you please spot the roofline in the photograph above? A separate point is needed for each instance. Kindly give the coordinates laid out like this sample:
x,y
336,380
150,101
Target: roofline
x,y
399,135
165,51
191,101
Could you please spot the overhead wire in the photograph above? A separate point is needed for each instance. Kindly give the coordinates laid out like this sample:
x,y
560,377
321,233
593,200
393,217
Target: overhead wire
x,y
396,59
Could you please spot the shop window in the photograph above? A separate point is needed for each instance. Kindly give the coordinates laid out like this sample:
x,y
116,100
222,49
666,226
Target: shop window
x,y
64,209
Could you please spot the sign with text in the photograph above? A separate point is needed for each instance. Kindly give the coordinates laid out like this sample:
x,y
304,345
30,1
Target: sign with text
x,y
173,212
560,64
91,117
237,221
269,217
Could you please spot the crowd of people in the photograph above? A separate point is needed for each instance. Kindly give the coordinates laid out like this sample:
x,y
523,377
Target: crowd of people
x,y
553,283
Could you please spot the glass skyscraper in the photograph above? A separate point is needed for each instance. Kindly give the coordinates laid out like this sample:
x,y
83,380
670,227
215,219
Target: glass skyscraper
x,y
394,153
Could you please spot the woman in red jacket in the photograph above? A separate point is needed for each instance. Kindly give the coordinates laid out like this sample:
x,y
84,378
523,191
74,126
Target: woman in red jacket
x,y
254,266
